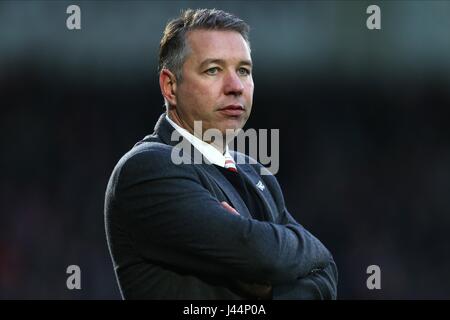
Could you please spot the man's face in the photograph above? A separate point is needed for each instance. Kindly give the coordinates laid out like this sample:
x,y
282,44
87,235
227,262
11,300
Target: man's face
x,y
217,85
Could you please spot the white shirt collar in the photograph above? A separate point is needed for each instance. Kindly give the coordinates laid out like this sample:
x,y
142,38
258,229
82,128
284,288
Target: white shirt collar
x,y
208,151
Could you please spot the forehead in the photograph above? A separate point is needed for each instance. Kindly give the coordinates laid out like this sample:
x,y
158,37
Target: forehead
x,y
217,44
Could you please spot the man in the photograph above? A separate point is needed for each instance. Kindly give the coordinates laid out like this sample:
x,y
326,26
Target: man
x,y
218,229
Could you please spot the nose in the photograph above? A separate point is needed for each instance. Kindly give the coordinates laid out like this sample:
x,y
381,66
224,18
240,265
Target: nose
x,y
233,84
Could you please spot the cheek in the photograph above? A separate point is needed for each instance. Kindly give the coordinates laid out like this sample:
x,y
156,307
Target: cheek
x,y
208,99
198,93
187,96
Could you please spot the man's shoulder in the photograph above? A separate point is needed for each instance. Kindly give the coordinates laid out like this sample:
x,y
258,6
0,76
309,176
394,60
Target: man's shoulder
x,y
148,159
147,150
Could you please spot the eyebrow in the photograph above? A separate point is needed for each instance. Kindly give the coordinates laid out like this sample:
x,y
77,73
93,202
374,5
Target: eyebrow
x,y
221,61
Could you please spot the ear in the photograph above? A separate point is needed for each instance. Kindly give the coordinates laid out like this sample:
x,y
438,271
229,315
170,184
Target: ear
x,y
168,85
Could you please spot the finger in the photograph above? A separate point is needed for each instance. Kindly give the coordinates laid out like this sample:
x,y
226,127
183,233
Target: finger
x,y
229,208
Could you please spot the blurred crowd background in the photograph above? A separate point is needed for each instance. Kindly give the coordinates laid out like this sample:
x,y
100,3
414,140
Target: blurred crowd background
x,y
363,118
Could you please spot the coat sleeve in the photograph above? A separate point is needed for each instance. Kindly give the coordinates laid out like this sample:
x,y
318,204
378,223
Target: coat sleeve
x,y
174,221
321,282
319,285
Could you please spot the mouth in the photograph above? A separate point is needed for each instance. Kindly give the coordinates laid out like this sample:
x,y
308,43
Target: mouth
x,y
232,110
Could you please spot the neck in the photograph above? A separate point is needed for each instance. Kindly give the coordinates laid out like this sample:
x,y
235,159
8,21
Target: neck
x,y
175,117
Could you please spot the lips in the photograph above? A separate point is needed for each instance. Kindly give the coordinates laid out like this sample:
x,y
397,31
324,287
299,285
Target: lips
x,y
232,110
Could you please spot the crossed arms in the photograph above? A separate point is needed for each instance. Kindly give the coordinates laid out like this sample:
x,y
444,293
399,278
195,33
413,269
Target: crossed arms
x,y
176,222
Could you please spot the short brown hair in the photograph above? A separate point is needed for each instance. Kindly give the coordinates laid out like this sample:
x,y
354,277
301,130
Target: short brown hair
x,y
172,48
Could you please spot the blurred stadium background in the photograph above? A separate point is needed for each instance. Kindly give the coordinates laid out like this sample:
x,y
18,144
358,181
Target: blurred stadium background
x,y
363,118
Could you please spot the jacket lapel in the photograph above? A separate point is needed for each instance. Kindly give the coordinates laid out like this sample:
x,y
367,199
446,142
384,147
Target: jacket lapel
x,y
256,183
228,189
164,130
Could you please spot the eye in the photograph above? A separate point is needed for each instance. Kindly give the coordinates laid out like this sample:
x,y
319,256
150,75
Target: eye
x,y
212,71
244,71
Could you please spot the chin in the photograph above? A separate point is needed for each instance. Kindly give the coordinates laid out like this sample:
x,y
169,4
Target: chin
x,y
232,126
235,123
